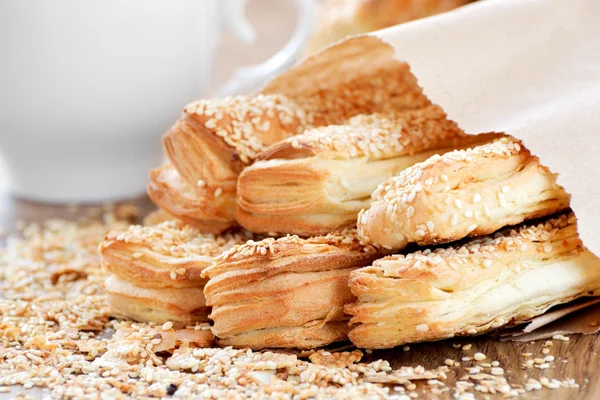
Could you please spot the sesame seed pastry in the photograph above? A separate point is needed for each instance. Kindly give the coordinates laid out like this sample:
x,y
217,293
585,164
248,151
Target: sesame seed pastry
x,y
156,270
185,305
286,292
318,182
461,193
215,139
471,287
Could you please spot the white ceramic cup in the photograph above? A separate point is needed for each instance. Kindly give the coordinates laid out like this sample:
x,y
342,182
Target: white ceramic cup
x,y
87,87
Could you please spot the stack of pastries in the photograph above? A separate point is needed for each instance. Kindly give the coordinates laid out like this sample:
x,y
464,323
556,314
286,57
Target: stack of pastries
x,y
382,221
155,272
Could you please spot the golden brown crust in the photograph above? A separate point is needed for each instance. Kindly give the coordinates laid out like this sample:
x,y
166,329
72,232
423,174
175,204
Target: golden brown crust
x,y
170,254
182,304
280,285
369,81
342,18
469,288
462,193
209,209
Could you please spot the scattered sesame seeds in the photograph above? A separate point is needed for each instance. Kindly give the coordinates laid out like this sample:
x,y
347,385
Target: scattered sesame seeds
x,y
479,356
167,325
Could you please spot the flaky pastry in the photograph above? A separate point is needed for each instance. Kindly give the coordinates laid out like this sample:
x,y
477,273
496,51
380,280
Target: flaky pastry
x,y
215,139
156,270
177,304
210,210
470,288
462,193
286,292
318,182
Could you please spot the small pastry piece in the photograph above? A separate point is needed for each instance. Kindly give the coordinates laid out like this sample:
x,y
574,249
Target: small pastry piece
x,y
156,270
462,193
338,19
210,210
177,304
318,182
469,288
286,292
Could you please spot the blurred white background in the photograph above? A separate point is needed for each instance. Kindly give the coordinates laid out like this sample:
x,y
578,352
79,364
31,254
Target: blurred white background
x,y
273,21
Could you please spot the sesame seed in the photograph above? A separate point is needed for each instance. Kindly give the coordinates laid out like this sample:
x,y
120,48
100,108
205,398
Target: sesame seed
x,y
430,226
479,356
476,198
167,326
422,328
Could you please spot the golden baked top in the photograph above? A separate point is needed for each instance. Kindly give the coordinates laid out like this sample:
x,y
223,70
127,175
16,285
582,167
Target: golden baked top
x,y
170,254
375,136
245,123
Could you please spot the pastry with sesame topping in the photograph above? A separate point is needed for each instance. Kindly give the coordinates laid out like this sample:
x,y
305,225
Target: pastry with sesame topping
x,y
287,292
471,287
196,205
317,182
461,193
156,270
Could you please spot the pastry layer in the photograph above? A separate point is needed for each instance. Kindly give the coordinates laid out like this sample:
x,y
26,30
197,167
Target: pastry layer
x,y
170,254
472,287
211,210
461,193
183,304
279,285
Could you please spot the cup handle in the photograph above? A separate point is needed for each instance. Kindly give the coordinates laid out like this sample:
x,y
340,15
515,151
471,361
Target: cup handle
x,y
246,78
